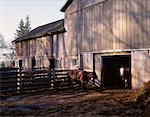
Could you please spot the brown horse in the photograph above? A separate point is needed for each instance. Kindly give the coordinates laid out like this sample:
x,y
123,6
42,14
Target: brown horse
x,y
81,77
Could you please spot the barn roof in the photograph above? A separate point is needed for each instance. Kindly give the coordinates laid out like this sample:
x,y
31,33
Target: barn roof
x,y
66,5
47,29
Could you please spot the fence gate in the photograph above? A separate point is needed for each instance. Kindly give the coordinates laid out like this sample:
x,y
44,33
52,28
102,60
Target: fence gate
x,y
33,80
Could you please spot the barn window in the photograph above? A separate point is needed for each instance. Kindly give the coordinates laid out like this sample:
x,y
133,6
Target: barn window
x,y
33,62
57,63
20,63
74,62
52,63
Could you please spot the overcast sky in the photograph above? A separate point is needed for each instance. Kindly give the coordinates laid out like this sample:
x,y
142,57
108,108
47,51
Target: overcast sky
x,y
40,12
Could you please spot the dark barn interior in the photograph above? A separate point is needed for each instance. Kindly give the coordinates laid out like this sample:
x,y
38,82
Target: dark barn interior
x,y
111,71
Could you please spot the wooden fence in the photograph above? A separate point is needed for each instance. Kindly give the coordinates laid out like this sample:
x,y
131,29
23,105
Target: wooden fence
x,y
16,80
8,79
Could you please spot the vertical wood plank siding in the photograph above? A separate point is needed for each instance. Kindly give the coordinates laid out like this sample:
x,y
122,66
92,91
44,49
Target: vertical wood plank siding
x,y
41,49
111,25
140,68
107,25
37,48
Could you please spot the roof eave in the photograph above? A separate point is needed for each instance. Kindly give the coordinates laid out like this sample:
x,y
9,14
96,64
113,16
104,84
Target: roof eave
x,y
65,6
47,34
29,38
58,32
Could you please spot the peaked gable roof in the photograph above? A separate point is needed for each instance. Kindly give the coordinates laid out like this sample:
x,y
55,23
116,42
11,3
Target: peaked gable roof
x,y
47,29
66,5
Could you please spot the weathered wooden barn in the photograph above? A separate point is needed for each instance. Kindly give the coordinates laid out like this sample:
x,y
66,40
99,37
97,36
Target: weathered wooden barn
x,y
108,34
36,47
100,36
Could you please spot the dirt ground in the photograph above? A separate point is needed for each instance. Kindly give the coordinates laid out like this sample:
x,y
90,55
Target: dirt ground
x,y
73,103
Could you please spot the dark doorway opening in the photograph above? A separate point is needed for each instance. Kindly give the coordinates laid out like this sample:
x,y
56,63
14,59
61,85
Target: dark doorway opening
x,y
111,77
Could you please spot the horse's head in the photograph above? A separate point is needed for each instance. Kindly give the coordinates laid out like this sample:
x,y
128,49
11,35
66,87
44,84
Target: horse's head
x,y
92,75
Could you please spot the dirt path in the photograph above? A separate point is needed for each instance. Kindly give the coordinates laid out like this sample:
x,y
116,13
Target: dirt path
x,y
72,103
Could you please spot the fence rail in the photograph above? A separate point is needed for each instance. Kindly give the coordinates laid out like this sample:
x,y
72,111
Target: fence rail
x,y
27,80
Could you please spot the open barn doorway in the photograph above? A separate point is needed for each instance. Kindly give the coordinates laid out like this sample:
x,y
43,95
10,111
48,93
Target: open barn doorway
x,y
111,76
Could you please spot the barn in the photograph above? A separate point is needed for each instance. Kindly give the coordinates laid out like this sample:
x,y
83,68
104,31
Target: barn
x,y
37,47
109,34
96,35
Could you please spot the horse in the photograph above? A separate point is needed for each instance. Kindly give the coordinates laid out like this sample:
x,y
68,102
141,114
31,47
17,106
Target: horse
x,y
81,77
125,77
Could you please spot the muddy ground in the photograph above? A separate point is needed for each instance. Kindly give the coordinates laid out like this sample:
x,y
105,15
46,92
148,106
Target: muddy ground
x,y
74,103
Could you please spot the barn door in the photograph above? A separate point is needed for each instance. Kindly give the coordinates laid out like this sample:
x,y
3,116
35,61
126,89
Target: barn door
x,y
140,68
111,71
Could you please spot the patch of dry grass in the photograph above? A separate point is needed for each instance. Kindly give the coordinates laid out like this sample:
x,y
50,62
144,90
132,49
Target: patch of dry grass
x,y
143,93
143,98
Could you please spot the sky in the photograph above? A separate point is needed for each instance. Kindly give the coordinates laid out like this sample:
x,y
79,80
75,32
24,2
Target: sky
x,y
40,12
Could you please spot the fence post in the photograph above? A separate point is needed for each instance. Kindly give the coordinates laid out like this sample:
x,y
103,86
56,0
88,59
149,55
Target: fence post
x,y
69,79
20,80
52,72
52,76
49,77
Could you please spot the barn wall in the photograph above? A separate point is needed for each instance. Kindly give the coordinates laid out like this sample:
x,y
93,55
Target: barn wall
x,y
98,65
87,61
39,48
73,6
101,25
72,38
140,64
96,25
60,51
78,4
140,68
43,51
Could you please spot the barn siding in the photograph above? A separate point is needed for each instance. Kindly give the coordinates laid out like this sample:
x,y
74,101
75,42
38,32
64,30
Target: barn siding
x,y
73,6
41,49
58,46
87,61
98,65
72,38
99,25
107,25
